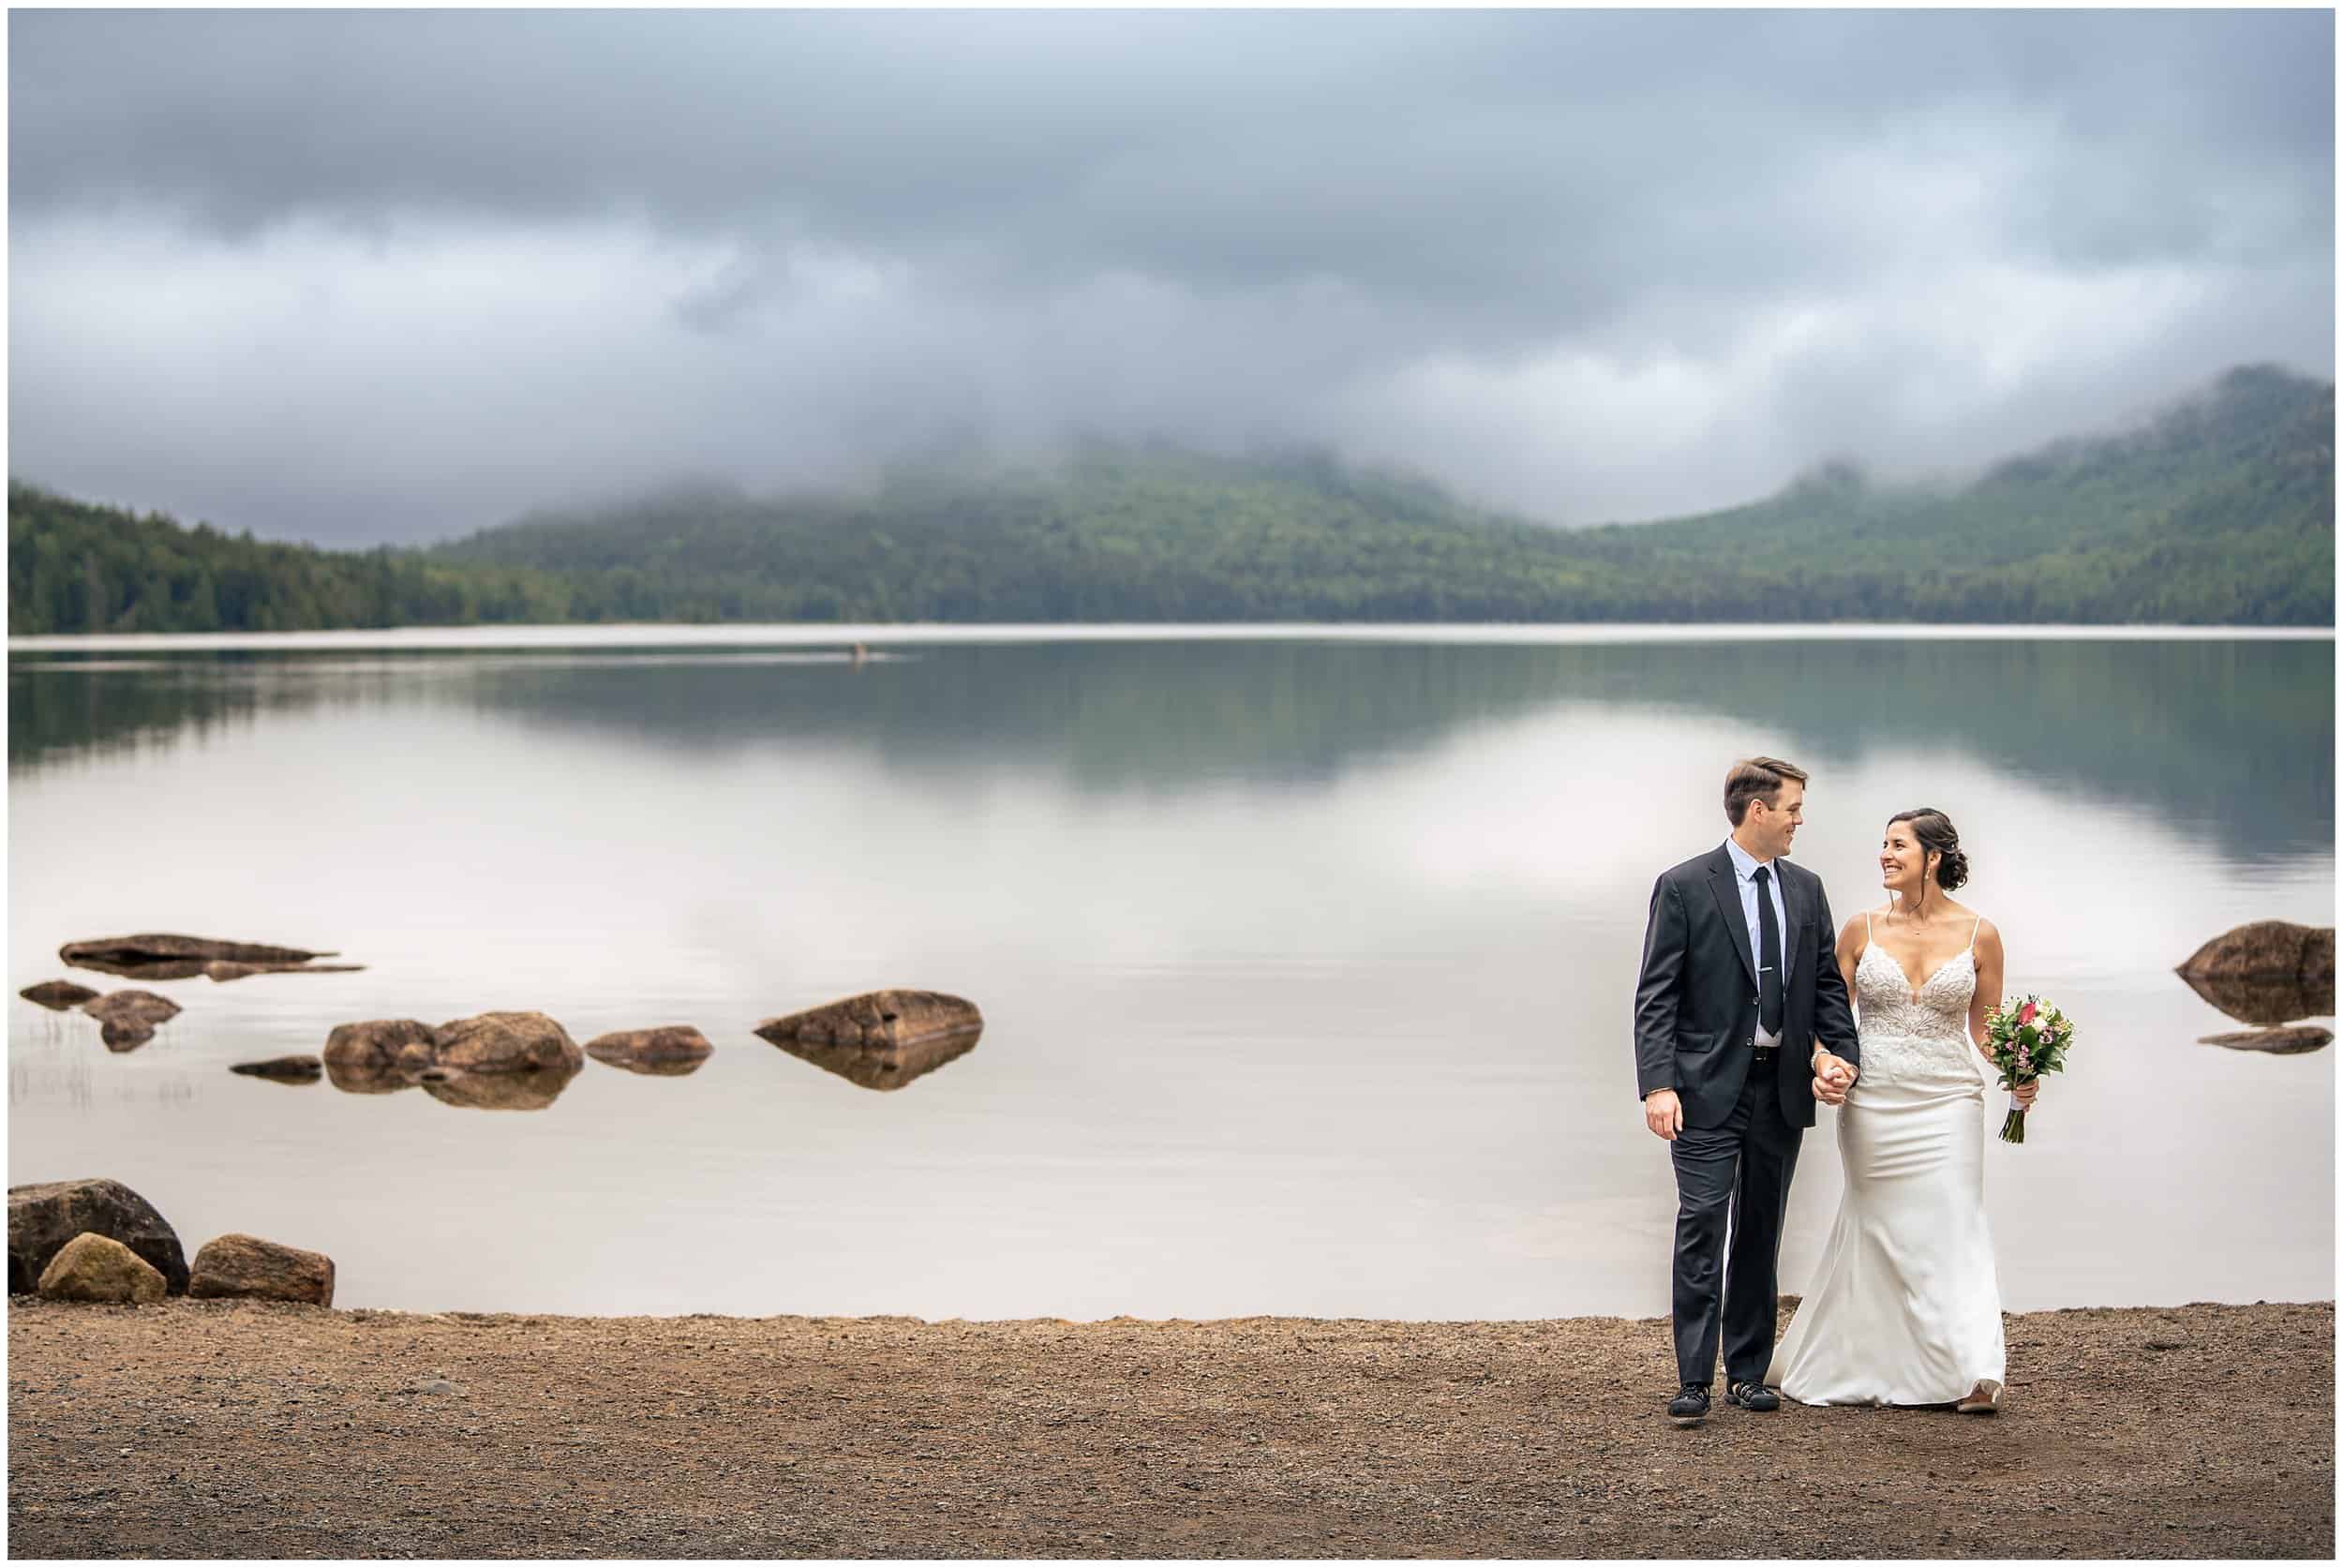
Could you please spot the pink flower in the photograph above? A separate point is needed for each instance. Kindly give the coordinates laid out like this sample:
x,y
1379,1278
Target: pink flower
x,y
2025,1014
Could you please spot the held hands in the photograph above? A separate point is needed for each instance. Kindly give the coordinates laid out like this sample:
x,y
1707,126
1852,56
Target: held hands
x,y
1833,1077
1663,1113
2023,1094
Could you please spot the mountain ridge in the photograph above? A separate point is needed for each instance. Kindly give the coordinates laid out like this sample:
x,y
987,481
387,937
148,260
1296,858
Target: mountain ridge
x,y
2219,510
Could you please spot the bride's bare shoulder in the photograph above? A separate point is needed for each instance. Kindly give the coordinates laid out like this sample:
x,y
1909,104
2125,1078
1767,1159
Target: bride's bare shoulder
x,y
1855,932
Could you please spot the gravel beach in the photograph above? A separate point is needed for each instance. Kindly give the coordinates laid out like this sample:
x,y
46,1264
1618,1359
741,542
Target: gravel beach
x,y
202,1428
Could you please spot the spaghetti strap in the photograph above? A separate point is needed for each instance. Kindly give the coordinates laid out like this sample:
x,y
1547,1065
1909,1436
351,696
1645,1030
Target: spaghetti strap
x,y
1973,925
1867,928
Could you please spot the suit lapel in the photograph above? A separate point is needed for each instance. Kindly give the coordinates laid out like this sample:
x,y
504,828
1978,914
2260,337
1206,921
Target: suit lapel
x,y
1726,888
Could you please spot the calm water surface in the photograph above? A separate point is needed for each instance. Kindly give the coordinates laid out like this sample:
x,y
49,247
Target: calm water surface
x,y
1306,961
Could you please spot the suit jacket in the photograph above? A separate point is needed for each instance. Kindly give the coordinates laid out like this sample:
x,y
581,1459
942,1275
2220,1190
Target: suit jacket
x,y
1696,1001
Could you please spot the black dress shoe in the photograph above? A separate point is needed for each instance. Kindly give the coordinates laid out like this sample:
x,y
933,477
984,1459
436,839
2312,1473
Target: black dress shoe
x,y
1751,1397
1690,1407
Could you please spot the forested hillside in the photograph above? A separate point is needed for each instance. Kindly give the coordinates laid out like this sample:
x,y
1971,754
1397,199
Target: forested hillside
x,y
2222,511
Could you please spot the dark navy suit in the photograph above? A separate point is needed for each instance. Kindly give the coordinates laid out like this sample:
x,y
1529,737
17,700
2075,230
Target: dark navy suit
x,y
1695,1027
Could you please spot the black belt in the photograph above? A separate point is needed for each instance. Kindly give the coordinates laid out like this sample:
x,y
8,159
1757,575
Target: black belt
x,y
1763,1053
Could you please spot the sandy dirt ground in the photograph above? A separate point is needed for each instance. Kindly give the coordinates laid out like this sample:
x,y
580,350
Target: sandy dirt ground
x,y
218,1429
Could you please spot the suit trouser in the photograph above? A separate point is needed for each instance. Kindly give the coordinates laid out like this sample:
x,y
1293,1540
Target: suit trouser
x,y
1741,1172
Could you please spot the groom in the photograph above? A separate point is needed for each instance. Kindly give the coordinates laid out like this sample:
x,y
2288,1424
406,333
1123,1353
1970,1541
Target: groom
x,y
1740,996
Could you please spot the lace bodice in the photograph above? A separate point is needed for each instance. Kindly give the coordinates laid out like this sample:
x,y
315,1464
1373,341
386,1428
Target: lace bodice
x,y
1903,1031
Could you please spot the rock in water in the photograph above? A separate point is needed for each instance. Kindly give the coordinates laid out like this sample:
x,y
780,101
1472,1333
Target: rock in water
x,y
125,1007
115,954
227,969
378,1056
57,995
2266,972
882,1018
668,1052
505,1042
882,1066
239,1265
92,1267
284,1069
43,1217
2290,1040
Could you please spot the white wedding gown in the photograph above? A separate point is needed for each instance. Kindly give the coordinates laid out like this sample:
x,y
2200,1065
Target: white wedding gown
x,y
1904,1308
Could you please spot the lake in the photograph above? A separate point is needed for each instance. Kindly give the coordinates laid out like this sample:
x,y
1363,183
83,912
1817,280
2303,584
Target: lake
x,y
1305,955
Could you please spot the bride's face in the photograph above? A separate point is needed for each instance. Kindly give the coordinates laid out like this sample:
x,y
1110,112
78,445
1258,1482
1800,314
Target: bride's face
x,y
1903,860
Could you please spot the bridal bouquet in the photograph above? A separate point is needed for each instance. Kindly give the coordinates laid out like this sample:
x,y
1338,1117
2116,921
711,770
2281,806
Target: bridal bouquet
x,y
2026,1038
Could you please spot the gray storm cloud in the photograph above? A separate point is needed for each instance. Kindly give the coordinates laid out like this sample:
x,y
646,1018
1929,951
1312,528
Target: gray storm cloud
x,y
362,276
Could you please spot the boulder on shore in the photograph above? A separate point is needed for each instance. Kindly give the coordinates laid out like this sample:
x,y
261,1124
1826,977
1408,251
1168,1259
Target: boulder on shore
x,y
57,995
241,1266
668,1051
881,1019
44,1216
2288,1040
505,1042
283,1070
92,1267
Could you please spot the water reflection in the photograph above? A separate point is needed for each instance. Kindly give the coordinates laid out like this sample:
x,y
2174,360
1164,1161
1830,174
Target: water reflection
x,y
2235,735
2250,999
534,1089
530,1089
881,1067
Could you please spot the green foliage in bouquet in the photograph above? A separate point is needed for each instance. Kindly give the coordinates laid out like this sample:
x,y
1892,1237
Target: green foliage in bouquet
x,y
2026,1037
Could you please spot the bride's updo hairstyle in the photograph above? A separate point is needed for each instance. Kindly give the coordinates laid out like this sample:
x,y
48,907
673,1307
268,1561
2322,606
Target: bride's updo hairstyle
x,y
1936,833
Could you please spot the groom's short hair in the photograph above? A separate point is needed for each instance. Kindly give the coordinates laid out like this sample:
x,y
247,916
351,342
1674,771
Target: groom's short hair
x,y
1756,778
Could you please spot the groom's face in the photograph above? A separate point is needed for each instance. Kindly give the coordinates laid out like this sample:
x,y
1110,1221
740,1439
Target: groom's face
x,y
1774,825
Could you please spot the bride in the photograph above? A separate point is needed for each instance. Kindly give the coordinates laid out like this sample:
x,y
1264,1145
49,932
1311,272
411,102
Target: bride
x,y
1904,1308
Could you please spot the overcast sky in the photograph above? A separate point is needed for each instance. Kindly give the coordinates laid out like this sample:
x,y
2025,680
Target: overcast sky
x,y
355,277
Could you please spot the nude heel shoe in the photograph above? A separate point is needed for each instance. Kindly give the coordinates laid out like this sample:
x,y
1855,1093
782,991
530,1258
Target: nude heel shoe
x,y
1984,1399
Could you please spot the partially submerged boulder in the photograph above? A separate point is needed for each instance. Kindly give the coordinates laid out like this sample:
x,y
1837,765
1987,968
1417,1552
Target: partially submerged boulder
x,y
57,995
283,1070
505,1042
498,1061
377,1048
881,1039
44,1216
2290,1041
668,1052
878,1019
241,1266
2266,972
92,1267
99,952
127,1018
122,1007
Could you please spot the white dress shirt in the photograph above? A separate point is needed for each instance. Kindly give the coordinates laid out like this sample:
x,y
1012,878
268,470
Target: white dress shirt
x,y
1744,876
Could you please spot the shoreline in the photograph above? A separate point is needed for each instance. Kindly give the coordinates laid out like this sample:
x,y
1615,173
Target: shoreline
x,y
841,635
241,1429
